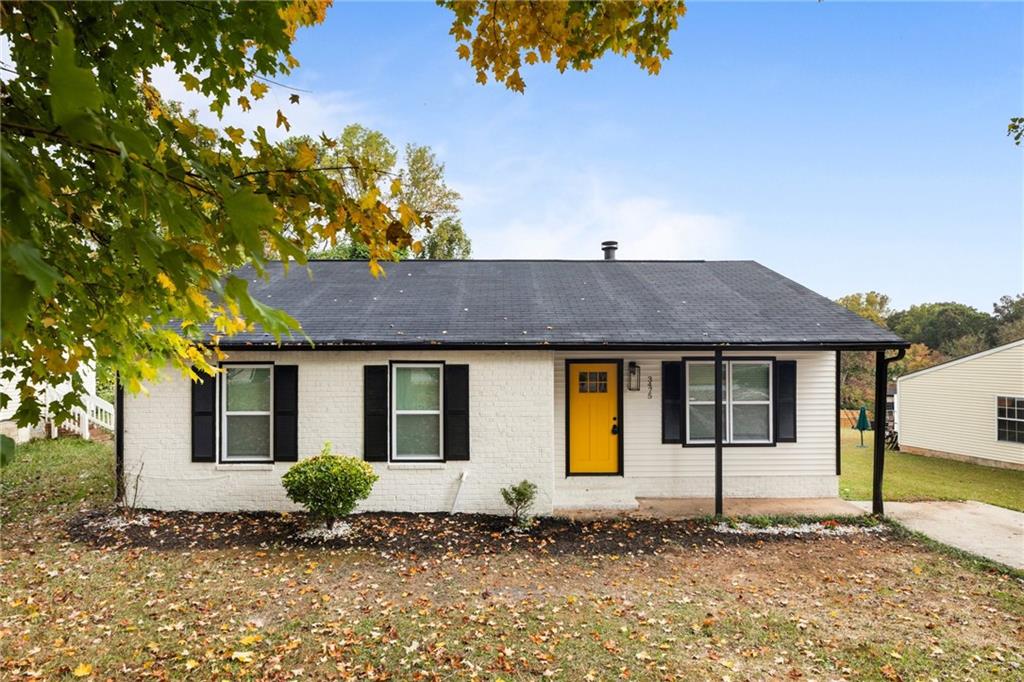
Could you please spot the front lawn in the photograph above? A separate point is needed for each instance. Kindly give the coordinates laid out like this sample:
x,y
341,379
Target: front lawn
x,y
909,478
635,600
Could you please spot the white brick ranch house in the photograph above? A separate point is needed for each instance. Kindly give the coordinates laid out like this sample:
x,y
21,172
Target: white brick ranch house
x,y
593,379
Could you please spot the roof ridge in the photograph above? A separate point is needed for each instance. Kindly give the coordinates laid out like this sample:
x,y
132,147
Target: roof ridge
x,y
525,260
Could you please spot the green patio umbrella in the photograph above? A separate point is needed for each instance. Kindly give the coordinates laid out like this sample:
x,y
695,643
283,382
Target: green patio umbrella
x,y
862,424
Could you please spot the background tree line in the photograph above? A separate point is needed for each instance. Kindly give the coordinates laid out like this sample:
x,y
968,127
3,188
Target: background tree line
x,y
422,187
937,331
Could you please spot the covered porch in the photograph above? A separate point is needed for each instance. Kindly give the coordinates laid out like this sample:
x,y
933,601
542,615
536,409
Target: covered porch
x,y
666,466
739,506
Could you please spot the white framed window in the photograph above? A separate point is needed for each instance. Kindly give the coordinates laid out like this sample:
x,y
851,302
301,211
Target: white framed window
x,y
416,415
746,401
1010,419
247,422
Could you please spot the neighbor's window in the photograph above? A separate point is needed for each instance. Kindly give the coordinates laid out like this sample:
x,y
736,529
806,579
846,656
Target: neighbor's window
x,y
416,411
247,420
746,401
1010,419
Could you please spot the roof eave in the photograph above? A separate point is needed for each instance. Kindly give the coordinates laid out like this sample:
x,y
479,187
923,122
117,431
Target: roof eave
x,y
349,345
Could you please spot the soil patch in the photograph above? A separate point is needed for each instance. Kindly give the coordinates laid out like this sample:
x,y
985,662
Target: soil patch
x,y
403,534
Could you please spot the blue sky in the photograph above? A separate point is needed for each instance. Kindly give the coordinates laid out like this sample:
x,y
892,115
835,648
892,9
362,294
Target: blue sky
x,y
848,146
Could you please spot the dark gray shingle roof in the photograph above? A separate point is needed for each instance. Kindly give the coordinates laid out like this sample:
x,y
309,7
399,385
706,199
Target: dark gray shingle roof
x,y
527,303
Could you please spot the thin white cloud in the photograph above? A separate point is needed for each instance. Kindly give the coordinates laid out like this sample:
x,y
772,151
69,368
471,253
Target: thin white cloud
x,y
572,222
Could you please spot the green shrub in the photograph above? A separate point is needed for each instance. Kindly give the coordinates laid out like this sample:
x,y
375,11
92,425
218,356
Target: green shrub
x,y
520,498
329,486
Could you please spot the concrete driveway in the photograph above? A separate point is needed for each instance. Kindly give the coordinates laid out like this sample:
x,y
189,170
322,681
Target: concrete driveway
x,y
984,529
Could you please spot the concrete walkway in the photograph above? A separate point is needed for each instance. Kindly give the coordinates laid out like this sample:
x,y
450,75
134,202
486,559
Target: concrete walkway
x,y
692,507
984,529
745,506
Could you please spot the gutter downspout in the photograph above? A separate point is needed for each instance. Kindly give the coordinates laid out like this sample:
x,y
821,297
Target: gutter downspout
x,y
118,438
878,466
458,491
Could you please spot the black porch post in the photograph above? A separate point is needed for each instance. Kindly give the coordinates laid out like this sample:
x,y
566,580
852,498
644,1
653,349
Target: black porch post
x,y
881,375
878,467
718,432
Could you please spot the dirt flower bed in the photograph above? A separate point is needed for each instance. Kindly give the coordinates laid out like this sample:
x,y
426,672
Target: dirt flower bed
x,y
416,534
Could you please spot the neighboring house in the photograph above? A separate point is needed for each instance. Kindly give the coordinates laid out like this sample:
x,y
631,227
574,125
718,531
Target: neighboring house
x,y
593,379
971,408
94,410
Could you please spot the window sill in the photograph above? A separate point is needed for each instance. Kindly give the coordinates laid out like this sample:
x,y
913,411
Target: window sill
x,y
741,444
242,466
417,465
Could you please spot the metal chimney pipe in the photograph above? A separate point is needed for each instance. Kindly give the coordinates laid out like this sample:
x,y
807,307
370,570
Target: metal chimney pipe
x,y
609,249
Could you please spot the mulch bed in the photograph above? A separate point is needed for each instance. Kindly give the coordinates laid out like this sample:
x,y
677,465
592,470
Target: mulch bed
x,y
397,534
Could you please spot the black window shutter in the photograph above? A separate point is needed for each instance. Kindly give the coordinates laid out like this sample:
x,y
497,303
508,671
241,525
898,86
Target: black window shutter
x,y
456,412
375,413
671,401
286,413
204,419
785,401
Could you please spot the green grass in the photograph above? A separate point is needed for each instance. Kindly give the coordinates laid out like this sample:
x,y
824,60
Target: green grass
x,y
54,474
910,478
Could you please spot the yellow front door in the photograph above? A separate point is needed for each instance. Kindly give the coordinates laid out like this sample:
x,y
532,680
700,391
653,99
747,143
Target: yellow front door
x,y
593,418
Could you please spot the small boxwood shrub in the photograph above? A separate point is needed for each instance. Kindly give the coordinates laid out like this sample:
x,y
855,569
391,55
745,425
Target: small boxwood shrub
x,y
329,486
520,498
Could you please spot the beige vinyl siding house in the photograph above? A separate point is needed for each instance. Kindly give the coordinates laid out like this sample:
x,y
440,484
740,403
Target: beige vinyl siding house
x,y
966,409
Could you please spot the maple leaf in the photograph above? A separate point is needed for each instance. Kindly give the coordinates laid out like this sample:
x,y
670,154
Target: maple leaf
x,y
294,99
237,135
889,673
165,282
83,670
305,157
242,656
258,89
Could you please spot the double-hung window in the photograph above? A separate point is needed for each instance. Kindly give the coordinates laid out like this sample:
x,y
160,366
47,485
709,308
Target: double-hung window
x,y
247,421
746,401
1010,419
416,415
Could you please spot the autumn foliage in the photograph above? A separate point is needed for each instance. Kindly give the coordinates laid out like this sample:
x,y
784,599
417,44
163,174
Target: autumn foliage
x,y
124,216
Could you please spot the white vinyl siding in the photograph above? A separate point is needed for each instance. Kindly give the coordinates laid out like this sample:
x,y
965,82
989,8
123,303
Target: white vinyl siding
x,y
645,456
952,408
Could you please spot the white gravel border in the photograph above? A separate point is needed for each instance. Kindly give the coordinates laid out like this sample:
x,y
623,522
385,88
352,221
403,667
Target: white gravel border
x,y
322,533
120,523
744,528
